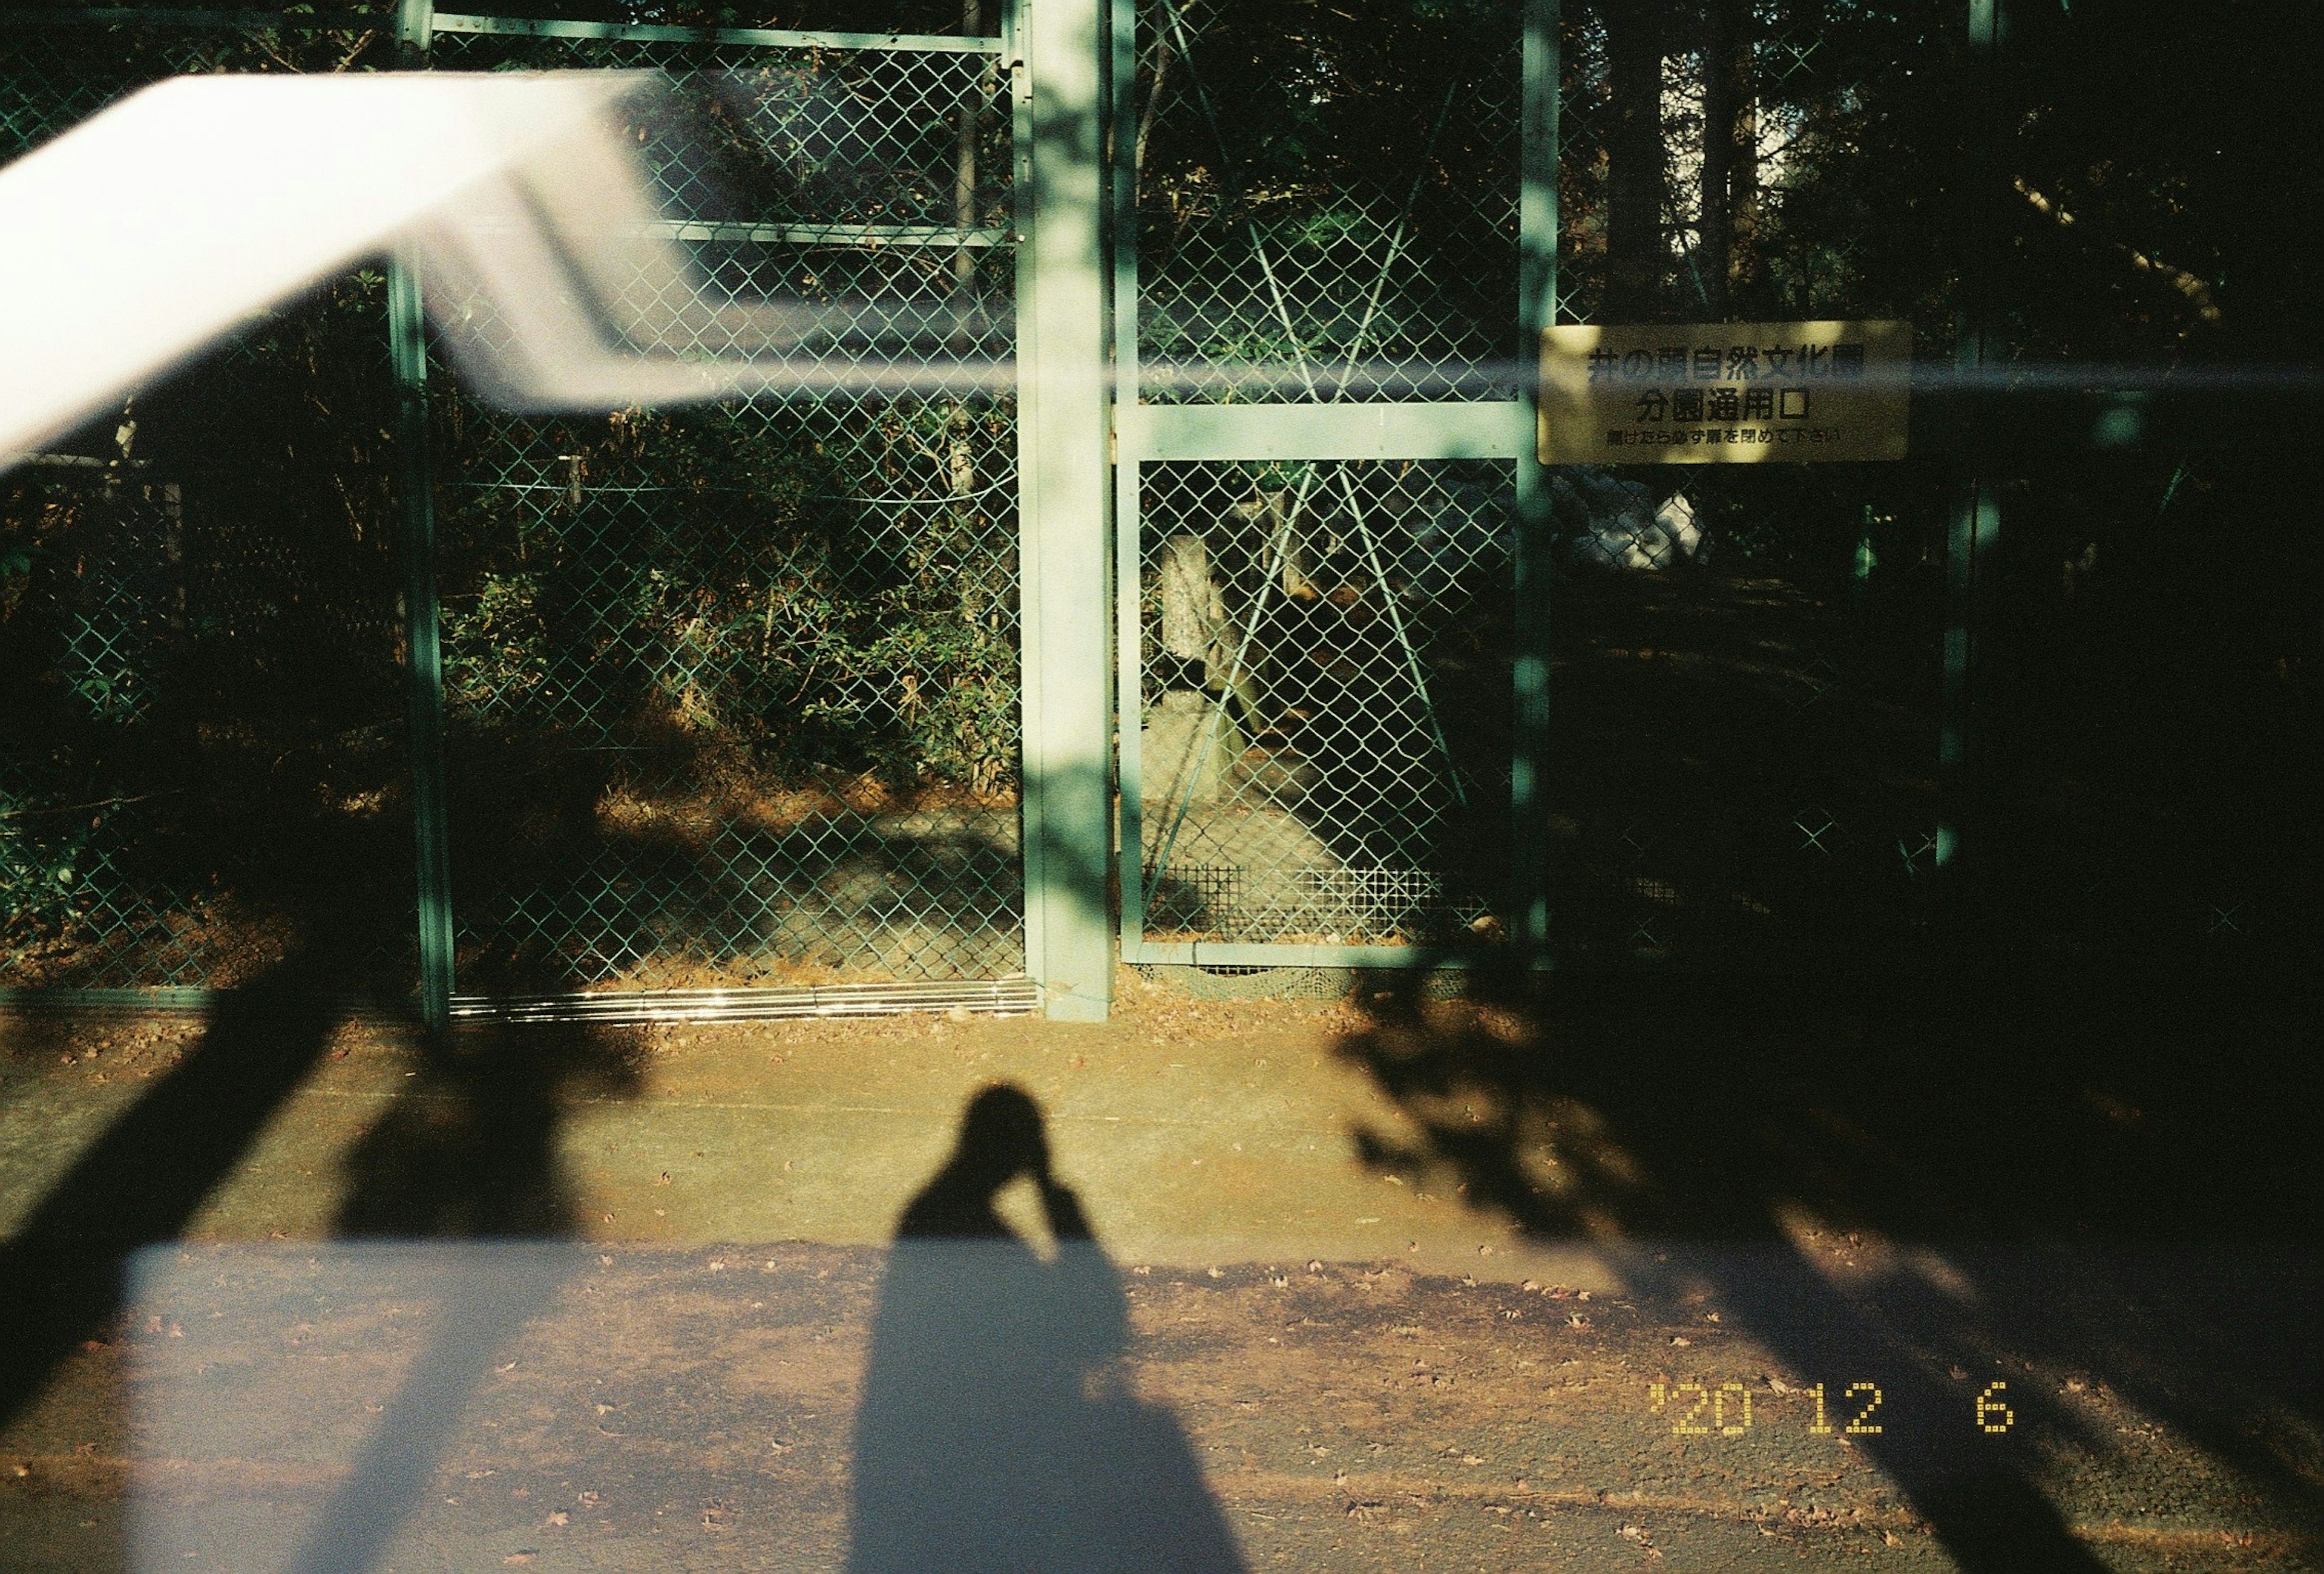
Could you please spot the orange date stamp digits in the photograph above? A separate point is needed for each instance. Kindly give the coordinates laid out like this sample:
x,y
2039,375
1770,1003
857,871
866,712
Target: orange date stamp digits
x,y
1691,1422
1724,1410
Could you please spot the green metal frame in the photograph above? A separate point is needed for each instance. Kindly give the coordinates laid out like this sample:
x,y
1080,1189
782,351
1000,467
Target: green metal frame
x,y
1498,429
1974,528
1084,439
1536,309
1059,61
1064,790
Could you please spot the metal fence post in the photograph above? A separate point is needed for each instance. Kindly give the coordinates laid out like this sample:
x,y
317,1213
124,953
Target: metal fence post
x,y
1973,529
424,666
1536,302
1064,506
1122,241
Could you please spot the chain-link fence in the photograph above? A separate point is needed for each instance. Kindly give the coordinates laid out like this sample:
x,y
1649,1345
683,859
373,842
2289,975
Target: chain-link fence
x,y
1324,738
732,691
203,774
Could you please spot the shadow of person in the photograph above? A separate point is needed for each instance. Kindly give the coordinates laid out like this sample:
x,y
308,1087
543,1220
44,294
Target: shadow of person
x,y
998,1428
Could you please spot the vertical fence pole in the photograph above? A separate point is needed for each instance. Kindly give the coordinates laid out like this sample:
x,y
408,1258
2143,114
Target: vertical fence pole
x,y
1537,301
424,666
1128,698
1963,847
1064,506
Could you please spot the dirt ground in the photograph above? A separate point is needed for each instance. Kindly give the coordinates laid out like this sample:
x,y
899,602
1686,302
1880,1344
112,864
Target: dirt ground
x,y
1375,1283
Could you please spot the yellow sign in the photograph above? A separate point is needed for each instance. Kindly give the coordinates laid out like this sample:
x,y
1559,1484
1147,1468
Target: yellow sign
x,y
1725,393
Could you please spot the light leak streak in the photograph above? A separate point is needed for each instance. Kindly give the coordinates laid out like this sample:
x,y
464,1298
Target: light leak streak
x,y
175,215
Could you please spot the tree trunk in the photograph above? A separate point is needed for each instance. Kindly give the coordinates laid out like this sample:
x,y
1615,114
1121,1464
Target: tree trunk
x,y
1743,171
1721,47
1637,259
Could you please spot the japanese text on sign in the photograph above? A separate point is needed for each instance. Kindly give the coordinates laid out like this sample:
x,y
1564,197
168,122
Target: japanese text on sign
x,y
1725,392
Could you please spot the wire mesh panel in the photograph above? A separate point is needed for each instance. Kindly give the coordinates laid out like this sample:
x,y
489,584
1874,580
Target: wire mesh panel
x,y
734,690
1746,676
1327,213
202,757
1325,216
1324,742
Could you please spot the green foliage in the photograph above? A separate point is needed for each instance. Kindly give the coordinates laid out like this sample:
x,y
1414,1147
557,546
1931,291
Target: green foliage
x,y
776,583
46,851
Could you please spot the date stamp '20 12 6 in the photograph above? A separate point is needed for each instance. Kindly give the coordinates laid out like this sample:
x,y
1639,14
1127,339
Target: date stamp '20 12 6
x,y
1724,1409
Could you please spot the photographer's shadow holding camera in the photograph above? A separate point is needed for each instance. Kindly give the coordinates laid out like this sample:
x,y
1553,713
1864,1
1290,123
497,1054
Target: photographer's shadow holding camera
x,y
998,1430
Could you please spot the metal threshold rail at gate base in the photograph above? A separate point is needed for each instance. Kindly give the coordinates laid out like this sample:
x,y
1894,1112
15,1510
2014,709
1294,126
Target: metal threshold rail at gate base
x,y
1016,996
1011,997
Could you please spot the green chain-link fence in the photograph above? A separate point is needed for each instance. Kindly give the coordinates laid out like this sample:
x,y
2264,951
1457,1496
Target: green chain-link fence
x,y
731,691
202,763
1323,749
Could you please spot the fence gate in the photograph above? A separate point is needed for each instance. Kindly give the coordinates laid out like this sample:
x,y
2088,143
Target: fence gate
x,y
1338,620
1317,350
731,691
728,696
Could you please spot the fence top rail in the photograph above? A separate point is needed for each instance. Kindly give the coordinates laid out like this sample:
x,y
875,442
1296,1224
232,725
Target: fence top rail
x,y
501,26
763,37
224,21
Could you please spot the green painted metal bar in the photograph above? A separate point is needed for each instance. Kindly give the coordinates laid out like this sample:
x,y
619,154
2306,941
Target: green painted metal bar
x,y
1528,925
1974,525
1450,429
750,37
422,622
1129,705
226,21
1063,428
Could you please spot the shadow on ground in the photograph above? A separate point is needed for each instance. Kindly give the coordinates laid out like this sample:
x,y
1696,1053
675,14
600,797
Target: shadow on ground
x,y
2139,1147
997,1429
465,1149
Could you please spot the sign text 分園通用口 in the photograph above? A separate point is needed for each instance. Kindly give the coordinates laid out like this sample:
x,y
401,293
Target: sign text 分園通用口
x,y
1724,392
